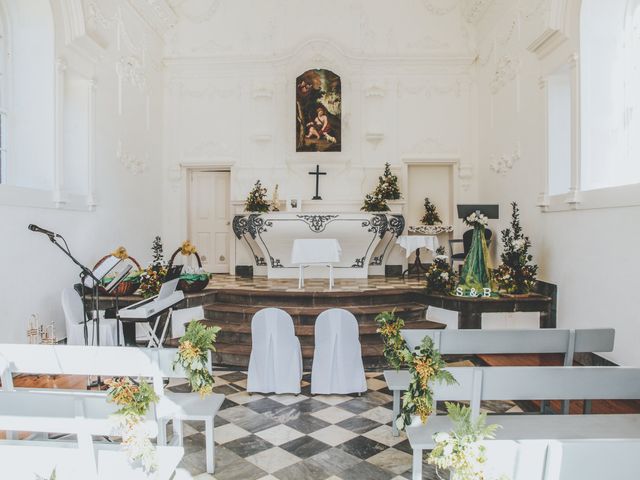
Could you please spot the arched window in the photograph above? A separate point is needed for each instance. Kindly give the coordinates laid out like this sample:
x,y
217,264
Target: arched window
x,y
610,93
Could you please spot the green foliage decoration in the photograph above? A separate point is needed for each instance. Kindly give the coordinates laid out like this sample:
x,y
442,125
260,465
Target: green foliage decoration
x,y
395,349
192,355
425,367
516,275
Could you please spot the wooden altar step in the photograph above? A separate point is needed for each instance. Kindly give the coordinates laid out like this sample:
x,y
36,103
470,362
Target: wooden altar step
x,y
234,342
304,315
282,298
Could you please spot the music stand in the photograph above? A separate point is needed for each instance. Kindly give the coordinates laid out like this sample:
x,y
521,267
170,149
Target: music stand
x,y
113,286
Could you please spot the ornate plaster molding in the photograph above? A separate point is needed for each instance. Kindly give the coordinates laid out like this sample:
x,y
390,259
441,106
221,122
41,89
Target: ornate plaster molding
x,y
130,68
130,161
504,163
440,7
474,10
158,14
507,69
186,9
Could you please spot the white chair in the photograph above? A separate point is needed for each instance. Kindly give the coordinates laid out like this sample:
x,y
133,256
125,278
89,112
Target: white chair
x,y
73,320
337,358
181,318
275,364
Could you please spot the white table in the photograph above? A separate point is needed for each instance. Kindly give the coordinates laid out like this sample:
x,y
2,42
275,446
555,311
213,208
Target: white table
x,y
315,251
412,243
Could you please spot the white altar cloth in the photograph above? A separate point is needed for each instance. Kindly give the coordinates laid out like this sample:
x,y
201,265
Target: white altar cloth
x,y
413,242
309,251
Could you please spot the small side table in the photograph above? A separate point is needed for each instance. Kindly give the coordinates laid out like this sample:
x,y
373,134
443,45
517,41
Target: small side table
x,y
412,243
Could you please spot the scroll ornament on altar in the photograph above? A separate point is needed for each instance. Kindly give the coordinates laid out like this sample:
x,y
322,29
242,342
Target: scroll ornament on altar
x,y
475,279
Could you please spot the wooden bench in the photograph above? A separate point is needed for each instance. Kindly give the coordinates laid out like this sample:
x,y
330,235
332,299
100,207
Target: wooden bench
x,y
79,414
476,384
475,342
155,364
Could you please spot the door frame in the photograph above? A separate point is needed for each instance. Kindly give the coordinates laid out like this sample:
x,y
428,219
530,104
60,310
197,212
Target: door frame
x,y
188,170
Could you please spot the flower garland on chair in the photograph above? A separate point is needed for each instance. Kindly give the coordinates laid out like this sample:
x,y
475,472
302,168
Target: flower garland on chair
x,y
134,402
425,367
395,349
192,355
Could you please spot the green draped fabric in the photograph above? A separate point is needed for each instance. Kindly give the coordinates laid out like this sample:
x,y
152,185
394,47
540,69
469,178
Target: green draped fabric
x,y
476,272
193,277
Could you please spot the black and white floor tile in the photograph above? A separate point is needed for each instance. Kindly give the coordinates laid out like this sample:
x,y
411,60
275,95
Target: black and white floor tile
x,y
304,437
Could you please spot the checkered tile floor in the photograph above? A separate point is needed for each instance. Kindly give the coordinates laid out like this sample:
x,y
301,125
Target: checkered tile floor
x,y
304,437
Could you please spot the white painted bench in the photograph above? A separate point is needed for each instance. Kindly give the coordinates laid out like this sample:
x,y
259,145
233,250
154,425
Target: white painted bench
x,y
476,384
121,361
561,459
476,342
79,414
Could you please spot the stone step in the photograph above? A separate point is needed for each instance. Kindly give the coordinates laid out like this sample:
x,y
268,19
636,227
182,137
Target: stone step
x,y
282,298
240,334
242,314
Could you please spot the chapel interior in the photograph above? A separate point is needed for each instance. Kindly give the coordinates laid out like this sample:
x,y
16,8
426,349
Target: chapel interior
x,y
337,240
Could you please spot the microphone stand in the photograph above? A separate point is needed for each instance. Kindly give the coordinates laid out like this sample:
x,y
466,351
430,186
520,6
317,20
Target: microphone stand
x,y
95,296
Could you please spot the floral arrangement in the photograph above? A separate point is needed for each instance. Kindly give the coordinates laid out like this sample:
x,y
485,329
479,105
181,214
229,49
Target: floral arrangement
x,y
197,340
431,216
257,199
440,276
425,367
120,253
515,275
477,219
395,349
151,278
373,202
387,189
187,248
460,451
134,401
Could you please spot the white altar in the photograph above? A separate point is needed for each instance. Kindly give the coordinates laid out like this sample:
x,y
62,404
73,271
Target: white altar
x,y
366,240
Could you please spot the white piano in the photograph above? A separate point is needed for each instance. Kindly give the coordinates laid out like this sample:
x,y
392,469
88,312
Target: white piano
x,y
145,310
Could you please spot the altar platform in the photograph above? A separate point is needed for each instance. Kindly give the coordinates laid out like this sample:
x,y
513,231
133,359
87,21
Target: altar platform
x,y
231,301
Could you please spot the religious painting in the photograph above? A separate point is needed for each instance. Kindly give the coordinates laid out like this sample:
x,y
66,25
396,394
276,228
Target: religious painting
x,y
318,111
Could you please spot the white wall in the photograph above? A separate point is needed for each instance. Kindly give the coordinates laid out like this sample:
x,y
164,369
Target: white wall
x,y
230,97
589,254
128,200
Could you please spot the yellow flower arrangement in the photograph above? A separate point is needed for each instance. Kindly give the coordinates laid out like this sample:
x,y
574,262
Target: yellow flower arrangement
x,y
187,248
120,253
395,349
426,365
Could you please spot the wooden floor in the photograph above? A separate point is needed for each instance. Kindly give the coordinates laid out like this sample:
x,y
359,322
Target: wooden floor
x,y
549,360
598,406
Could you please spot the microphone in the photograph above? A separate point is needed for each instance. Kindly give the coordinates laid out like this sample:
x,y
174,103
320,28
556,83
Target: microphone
x,y
35,228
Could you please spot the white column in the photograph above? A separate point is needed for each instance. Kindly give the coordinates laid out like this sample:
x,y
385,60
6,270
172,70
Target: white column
x,y
58,180
91,124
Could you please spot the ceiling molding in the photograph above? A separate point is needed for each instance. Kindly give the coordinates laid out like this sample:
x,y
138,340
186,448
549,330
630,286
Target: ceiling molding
x,y
76,34
555,31
158,14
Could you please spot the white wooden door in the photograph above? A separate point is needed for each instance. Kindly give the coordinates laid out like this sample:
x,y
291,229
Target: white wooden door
x,y
209,219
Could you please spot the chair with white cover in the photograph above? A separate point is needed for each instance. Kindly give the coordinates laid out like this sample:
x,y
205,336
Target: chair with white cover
x,y
337,358
275,364
73,319
182,317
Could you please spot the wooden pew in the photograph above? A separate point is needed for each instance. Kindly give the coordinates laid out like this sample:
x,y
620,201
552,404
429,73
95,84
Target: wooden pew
x,y
80,414
155,364
476,342
476,384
